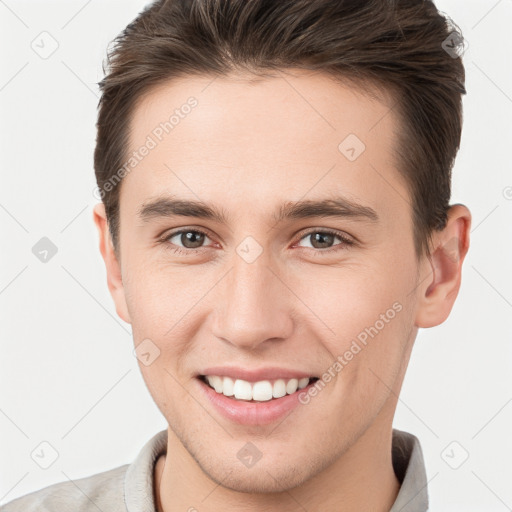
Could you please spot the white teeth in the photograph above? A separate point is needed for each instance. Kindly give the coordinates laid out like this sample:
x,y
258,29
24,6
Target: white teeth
x,y
291,386
261,391
279,389
303,383
242,390
228,386
216,383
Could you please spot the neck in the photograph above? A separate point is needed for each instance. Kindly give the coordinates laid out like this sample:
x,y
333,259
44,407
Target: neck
x,y
343,485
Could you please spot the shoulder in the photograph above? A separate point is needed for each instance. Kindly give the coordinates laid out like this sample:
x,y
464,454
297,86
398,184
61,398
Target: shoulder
x,y
102,491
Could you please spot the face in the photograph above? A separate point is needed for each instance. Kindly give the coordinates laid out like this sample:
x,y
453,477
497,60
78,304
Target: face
x,y
256,286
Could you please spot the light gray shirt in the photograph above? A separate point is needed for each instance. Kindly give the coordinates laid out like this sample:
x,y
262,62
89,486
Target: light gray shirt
x,y
130,488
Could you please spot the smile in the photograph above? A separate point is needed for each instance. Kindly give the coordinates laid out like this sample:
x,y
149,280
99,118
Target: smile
x,y
260,391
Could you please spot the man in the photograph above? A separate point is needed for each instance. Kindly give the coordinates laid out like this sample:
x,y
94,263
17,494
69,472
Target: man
x,y
276,227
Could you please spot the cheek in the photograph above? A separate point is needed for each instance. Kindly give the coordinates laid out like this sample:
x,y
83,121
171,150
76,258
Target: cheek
x,y
347,300
165,307
158,298
362,315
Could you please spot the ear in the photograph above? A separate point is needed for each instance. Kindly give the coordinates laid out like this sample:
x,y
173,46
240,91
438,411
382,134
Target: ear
x,y
114,277
437,294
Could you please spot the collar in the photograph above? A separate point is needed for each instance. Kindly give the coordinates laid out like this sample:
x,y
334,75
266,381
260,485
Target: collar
x,y
409,468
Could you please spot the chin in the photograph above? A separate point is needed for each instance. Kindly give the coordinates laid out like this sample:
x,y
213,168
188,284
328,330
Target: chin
x,y
259,479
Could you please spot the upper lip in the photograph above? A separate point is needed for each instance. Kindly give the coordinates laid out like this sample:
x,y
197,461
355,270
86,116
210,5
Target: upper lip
x,y
255,375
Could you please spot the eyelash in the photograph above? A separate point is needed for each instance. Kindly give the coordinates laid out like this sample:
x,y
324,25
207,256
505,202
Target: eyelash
x,y
346,242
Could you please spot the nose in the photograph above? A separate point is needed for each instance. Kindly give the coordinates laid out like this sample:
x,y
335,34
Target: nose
x,y
253,305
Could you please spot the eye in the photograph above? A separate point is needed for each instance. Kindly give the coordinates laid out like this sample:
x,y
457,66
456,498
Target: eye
x,y
323,240
189,239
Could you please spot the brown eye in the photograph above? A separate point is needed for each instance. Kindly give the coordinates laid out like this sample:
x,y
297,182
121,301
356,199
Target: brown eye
x,y
192,239
188,239
321,240
324,240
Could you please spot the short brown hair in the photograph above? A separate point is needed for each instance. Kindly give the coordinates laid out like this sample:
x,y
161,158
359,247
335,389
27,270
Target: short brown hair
x,y
398,45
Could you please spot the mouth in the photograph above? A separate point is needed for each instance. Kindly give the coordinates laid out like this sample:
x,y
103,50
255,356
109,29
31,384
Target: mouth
x,y
255,392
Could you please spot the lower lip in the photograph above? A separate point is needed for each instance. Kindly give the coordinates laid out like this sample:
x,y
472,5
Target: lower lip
x,y
252,413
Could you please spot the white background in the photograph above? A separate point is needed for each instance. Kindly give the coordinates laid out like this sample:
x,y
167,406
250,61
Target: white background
x,y
68,375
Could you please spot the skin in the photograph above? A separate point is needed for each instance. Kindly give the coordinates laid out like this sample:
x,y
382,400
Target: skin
x,y
247,148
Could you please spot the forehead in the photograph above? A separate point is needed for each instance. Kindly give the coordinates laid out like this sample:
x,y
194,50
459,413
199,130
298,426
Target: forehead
x,y
231,139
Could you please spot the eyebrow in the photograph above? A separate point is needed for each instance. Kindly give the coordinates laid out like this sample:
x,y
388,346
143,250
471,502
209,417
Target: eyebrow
x,y
340,207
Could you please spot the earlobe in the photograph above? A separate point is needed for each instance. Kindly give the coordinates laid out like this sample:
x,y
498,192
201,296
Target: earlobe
x,y
113,268
450,246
